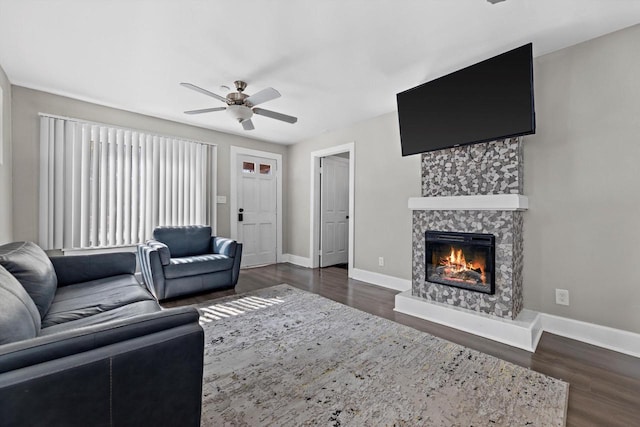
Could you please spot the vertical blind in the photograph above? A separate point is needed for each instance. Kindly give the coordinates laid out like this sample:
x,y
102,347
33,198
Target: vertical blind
x,y
103,186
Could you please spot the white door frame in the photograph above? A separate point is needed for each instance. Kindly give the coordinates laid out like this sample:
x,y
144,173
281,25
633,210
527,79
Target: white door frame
x,y
233,199
314,223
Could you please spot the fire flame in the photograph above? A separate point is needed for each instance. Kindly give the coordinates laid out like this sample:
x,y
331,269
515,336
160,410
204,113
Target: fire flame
x,y
456,263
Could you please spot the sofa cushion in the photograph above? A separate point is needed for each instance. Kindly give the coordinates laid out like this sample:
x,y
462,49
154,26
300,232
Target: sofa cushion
x,y
195,265
86,299
185,240
19,316
124,312
31,266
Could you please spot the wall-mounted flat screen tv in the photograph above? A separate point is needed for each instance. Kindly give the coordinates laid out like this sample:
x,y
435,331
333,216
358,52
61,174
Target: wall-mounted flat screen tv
x,y
490,100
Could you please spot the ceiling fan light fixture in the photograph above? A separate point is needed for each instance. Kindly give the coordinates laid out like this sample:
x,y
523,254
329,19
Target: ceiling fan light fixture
x,y
240,112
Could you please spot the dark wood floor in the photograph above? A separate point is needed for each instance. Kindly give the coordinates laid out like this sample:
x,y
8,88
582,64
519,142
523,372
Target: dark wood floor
x,y
604,385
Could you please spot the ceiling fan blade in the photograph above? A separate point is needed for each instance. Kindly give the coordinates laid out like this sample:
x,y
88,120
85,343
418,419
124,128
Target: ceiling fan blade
x,y
263,96
247,125
274,115
204,91
205,110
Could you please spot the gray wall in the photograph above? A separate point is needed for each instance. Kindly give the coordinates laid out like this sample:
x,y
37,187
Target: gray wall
x,y
582,176
6,228
27,103
384,181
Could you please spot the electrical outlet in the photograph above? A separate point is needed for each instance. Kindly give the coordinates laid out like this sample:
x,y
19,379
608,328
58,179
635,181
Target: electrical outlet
x,y
381,261
562,296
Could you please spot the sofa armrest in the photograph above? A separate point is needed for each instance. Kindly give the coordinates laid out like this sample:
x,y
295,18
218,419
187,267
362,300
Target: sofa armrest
x,y
42,349
223,246
112,374
83,268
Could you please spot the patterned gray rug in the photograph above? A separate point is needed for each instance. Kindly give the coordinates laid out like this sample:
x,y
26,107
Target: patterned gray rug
x,y
285,357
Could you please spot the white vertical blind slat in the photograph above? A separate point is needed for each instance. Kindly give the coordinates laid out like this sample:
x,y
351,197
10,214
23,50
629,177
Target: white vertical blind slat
x,y
111,207
135,186
119,212
168,182
43,222
198,186
85,187
58,183
126,182
162,191
104,187
95,187
174,183
148,217
76,188
192,183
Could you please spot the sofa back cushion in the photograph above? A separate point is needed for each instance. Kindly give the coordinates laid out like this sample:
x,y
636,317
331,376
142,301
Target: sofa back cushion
x,y
28,263
19,317
185,240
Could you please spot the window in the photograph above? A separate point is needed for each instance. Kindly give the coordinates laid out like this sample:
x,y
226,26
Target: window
x,y
248,167
265,169
103,186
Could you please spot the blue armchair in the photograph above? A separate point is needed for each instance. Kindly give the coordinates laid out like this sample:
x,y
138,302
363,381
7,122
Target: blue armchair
x,y
182,260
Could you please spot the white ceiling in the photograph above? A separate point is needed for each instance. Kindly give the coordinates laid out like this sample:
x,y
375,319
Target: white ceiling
x,y
335,62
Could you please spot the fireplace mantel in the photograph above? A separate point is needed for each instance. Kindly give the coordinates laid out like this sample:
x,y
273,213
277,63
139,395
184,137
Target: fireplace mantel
x,y
491,202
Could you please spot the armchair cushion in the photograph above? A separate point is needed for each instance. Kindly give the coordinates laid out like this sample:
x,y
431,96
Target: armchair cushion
x,y
196,265
184,240
19,316
28,263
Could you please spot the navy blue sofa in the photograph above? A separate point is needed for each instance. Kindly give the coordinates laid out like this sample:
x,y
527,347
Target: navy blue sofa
x,y
79,345
183,260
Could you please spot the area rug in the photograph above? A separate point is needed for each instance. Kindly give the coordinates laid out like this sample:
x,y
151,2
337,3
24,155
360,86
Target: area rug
x,y
285,357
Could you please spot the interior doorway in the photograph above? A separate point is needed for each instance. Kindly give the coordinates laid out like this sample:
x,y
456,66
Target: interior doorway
x,y
330,244
334,210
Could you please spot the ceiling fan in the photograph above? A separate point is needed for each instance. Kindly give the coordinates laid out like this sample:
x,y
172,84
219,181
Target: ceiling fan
x,y
242,106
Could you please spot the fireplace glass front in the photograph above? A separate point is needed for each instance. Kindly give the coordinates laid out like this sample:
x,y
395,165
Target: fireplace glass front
x,y
462,260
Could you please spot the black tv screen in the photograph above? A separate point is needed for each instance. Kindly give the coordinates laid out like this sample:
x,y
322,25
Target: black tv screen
x,y
490,100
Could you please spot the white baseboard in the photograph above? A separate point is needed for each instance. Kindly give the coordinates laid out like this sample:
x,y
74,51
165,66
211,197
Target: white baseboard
x,y
381,279
602,336
297,260
524,332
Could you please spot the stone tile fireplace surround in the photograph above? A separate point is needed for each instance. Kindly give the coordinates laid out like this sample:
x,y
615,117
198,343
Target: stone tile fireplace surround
x,y
474,189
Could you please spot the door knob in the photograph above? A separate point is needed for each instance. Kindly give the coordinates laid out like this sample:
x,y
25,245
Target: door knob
x,y
240,215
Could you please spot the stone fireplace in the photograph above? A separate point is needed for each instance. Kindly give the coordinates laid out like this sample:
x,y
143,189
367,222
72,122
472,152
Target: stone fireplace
x,y
476,191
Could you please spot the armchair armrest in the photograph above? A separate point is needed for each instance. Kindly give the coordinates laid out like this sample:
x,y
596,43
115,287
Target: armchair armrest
x,y
83,268
163,250
223,246
151,268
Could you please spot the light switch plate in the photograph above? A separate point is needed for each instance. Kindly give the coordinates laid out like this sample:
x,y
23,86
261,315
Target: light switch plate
x,y
221,199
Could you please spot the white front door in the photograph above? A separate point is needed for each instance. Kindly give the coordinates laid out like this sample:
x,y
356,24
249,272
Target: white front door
x,y
334,211
257,210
